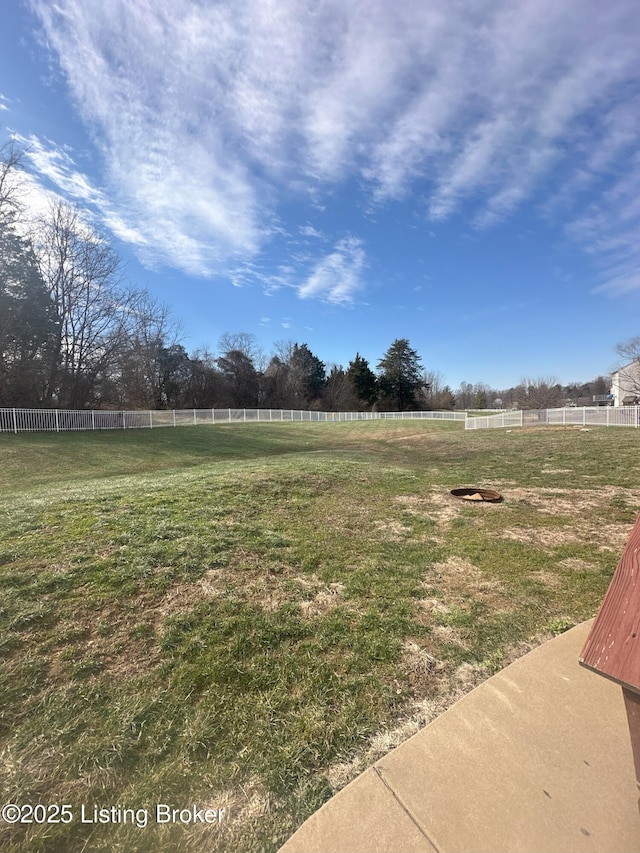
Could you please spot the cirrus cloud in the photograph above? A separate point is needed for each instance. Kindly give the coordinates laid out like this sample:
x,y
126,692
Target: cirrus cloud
x,y
207,116
336,276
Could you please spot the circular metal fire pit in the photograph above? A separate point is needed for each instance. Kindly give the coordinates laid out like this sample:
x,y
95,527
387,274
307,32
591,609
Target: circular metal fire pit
x,y
487,495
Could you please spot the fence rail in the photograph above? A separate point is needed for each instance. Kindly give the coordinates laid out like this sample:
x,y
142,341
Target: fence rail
x,y
62,420
627,416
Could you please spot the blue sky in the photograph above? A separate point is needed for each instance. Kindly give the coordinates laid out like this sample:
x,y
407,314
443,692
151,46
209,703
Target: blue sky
x,y
462,173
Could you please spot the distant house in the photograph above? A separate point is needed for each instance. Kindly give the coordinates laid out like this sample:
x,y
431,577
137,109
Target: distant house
x,y
602,400
590,401
625,384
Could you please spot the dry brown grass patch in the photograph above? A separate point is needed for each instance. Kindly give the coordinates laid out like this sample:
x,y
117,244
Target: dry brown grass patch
x,y
460,575
578,565
438,507
433,606
571,502
417,659
605,537
444,693
537,536
324,600
112,643
546,578
450,635
245,809
393,530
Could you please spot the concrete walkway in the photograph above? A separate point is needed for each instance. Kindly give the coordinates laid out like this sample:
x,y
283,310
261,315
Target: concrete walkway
x,y
538,758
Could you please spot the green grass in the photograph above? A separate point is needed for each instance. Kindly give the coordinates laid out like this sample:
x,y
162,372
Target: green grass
x,y
232,615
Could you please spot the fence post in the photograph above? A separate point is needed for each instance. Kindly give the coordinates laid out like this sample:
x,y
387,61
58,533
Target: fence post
x,y
124,420
213,416
174,417
93,419
150,419
584,416
15,422
57,421
194,417
244,416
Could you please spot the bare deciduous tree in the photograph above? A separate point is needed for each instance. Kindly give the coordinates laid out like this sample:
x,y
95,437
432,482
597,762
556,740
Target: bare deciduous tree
x,y
10,164
436,394
627,376
539,393
147,330
245,343
82,273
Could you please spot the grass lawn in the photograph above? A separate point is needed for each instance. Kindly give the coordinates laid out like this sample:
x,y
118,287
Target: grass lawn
x,y
244,617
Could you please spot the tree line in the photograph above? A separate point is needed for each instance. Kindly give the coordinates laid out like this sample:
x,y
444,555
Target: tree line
x,y
531,393
75,334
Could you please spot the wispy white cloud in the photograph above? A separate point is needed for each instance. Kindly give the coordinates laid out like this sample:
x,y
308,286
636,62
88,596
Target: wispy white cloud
x,y
310,231
609,231
59,175
336,277
207,115
58,168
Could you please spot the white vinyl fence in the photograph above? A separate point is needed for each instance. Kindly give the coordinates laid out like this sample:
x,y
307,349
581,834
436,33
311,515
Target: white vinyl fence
x,y
59,420
628,416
